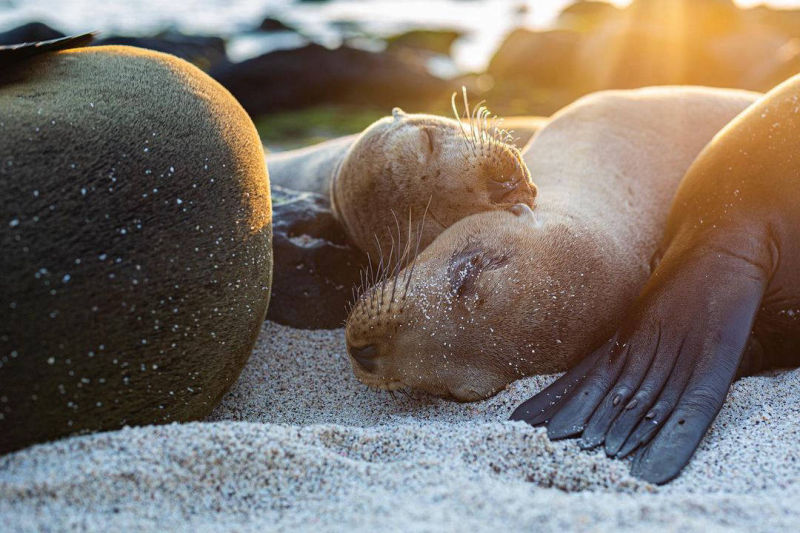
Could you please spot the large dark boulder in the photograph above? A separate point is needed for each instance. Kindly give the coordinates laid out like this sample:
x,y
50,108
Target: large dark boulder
x,y
757,59
532,72
200,50
536,58
585,15
313,74
697,18
663,42
784,21
315,267
271,24
29,33
431,41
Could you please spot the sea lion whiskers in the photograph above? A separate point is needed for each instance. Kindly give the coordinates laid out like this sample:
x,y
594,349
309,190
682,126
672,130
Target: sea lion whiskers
x,y
387,273
368,280
406,252
475,123
400,260
469,118
481,113
457,115
382,267
371,281
362,283
416,251
485,135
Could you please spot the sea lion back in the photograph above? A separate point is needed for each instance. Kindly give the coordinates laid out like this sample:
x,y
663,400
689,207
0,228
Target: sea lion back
x,y
136,242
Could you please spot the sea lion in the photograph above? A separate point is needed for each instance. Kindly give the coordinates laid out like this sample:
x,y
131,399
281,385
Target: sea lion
x,y
502,295
731,265
383,180
135,242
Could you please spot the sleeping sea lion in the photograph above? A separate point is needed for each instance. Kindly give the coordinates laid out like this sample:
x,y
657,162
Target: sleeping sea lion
x,y
731,265
402,167
502,295
135,241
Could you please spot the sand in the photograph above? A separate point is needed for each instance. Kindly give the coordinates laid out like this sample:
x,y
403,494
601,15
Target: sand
x,y
299,444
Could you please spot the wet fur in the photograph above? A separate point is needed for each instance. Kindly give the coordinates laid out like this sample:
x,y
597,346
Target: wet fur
x,y
608,166
404,162
135,243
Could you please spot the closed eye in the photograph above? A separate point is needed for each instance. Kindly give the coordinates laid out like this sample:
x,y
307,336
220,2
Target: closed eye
x,y
467,265
429,137
503,178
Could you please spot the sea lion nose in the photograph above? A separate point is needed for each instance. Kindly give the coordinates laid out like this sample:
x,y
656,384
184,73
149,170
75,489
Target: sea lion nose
x,y
365,356
525,214
515,188
521,210
501,190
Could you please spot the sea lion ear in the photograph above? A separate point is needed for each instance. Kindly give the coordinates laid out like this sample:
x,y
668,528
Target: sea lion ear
x,y
398,113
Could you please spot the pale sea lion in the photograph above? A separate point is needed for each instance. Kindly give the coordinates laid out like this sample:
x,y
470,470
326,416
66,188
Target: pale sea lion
x,y
731,265
501,295
135,242
382,181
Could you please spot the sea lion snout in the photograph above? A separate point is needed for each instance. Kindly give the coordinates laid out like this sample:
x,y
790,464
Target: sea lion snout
x,y
521,210
443,324
524,213
365,356
503,192
509,180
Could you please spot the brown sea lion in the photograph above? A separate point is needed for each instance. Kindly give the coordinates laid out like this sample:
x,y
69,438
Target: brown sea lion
x,y
135,241
401,167
731,265
502,295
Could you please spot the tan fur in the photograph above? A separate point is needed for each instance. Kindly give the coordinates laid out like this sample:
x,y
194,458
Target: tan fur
x,y
404,167
311,168
607,167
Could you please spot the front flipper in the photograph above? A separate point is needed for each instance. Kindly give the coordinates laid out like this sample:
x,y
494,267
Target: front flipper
x,y
538,409
707,369
16,53
662,383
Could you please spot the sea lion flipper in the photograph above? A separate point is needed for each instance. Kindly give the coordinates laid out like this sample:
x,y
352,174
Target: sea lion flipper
x,y
538,409
570,417
15,53
708,370
661,383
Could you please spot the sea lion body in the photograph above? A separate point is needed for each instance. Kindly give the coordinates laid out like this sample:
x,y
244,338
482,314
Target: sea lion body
x,y
404,167
135,242
309,169
730,265
502,295
312,169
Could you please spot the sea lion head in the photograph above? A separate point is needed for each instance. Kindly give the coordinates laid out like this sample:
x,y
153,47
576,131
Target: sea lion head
x,y
425,165
485,304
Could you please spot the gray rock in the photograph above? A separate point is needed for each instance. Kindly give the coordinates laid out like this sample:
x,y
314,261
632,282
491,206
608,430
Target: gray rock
x,y
315,267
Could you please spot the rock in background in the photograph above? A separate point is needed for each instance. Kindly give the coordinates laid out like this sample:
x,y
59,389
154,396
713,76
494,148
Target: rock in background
x,y
313,75
596,46
200,50
315,267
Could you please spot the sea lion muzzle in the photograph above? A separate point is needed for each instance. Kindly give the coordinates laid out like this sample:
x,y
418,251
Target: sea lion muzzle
x,y
365,356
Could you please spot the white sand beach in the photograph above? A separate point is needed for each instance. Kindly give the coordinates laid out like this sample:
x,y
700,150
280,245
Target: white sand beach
x,y
299,444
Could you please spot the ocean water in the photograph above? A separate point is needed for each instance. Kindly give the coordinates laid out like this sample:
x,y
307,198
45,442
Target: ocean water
x,y
485,22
